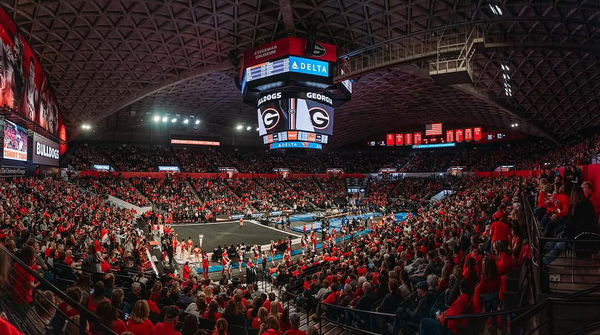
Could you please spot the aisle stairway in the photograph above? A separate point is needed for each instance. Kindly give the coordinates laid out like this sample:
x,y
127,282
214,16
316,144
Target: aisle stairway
x,y
306,321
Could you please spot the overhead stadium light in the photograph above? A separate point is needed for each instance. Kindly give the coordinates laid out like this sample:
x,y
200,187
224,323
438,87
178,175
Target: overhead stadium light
x,y
86,126
239,127
165,119
173,120
257,129
197,122
248,128
186,121
156,118
496,10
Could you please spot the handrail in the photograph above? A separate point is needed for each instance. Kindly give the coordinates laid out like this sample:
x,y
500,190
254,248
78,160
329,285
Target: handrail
x,y
581,293
358,310
544,303
586,329
487,314
84,312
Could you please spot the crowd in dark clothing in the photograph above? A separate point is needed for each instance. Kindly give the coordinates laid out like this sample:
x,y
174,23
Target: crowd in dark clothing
x,y
523,155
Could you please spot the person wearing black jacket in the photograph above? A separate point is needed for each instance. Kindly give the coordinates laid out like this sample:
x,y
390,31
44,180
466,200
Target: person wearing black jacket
x,y
426,298
392,299
368,298
365,303
581,219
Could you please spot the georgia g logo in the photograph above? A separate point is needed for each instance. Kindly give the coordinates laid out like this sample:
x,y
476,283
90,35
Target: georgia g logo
x,y
270,118
319,117
319,50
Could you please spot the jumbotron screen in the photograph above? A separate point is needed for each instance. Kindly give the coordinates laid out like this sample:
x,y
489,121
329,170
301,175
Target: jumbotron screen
x,y
15,142
308,112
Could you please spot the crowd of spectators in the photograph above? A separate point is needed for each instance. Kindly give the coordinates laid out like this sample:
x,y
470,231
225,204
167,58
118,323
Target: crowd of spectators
x,y
450,258
219,198
261,199
84,157
173,195
527,154
108,184
141,159
315,193
195,160
58,229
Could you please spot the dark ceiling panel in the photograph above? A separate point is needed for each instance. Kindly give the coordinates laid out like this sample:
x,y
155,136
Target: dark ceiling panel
x,y
152,55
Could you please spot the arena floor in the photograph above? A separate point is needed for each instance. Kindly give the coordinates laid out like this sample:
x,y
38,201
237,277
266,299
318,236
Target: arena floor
x,y
227,233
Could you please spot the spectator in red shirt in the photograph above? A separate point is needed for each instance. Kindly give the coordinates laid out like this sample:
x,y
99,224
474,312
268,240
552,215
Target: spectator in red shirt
x,y
270,327
486,293
220,327
499,230
97,297
7,329
272,298
167,327
108,317
139,323
459,306
24,281
212,313
186,271
261,317
504,261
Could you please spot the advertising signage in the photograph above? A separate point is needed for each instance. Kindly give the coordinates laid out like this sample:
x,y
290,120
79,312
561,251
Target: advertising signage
x,y
285,65
293,46
304,111
24,88
296,144
45,151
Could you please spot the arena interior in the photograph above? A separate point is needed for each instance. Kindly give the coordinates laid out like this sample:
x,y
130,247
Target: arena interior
x,y
299,167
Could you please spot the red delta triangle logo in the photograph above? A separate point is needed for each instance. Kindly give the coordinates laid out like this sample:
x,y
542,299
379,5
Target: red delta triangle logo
x,y
305,144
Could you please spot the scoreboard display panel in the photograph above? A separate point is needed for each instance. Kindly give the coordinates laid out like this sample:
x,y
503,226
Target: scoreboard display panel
x,y
272,70
267,69
290,81
296,145
295,135
310,112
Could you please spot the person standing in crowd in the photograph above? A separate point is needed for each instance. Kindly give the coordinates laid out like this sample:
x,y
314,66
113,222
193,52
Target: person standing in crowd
x,y
139,322
581,219
168,326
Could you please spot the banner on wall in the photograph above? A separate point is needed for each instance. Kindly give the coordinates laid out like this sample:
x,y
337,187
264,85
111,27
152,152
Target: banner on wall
x,y
7,171
24,87
45,151
15,142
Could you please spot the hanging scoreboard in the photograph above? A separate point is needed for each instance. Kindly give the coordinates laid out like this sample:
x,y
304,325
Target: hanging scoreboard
x,y
293,90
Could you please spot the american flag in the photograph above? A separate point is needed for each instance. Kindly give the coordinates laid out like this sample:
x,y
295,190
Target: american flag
x,y
433,129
